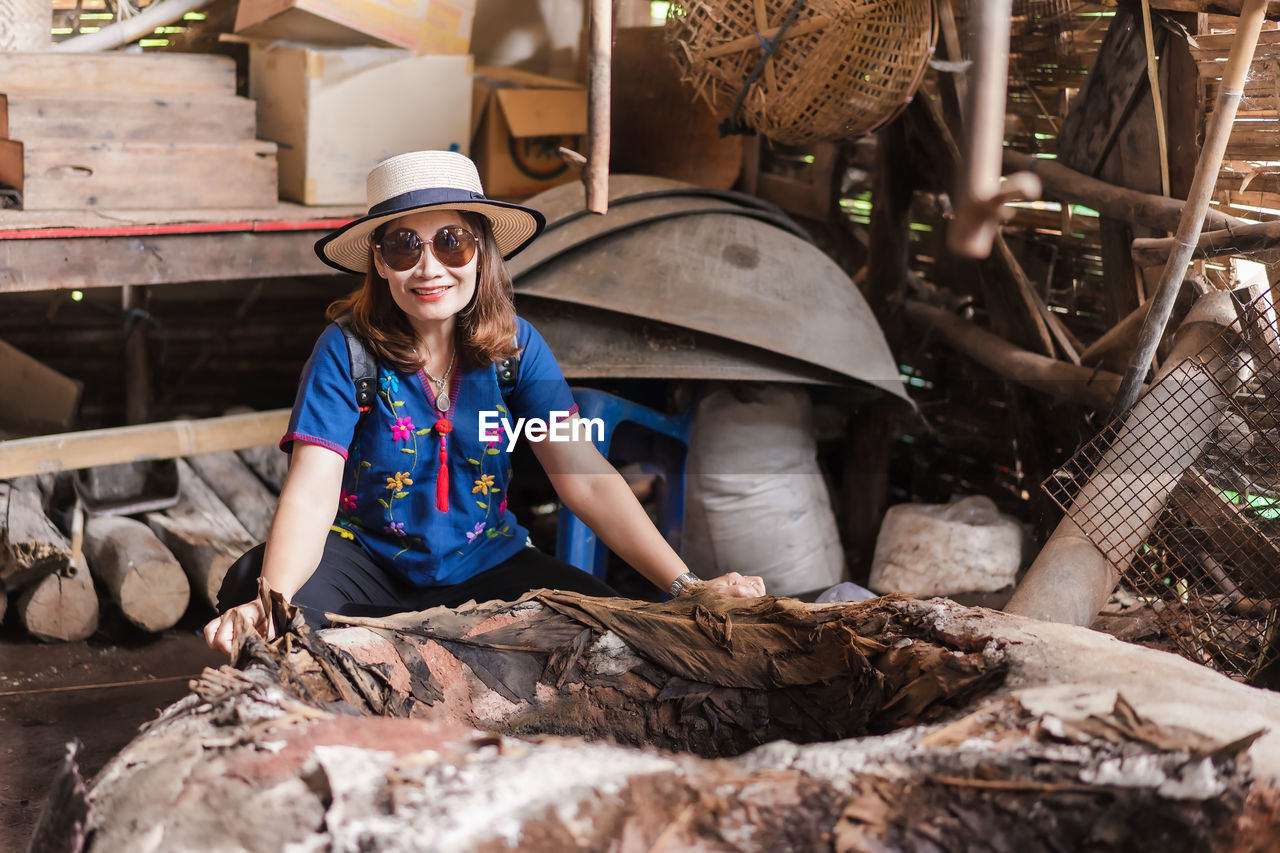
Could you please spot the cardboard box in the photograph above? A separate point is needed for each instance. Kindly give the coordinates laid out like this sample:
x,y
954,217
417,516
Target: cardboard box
x,y
336,113
521,119
425,26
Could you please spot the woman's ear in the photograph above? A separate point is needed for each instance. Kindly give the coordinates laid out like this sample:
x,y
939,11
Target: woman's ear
x,y
379,267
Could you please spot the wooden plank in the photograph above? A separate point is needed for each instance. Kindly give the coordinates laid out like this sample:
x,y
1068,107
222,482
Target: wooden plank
x,y
34,397
71,450
177,74
1216,7
1115,81
84,262
284,215
65,174
123,118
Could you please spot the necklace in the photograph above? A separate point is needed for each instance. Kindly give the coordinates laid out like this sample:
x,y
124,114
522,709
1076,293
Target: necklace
x,y
442,396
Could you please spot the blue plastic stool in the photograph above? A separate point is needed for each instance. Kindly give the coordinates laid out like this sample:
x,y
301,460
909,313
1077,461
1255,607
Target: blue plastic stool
x,y
575,543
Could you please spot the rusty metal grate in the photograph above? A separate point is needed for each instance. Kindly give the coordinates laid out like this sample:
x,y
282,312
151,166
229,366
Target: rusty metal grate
x,y
1183,496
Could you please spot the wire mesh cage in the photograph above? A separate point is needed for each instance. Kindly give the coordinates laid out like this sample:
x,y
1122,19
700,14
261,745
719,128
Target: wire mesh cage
x,y
1182,496
838,68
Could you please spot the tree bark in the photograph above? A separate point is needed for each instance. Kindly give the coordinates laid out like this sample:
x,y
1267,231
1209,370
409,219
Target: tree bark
x,y
141,575
33,547
269,463
410,728
61,607
202,533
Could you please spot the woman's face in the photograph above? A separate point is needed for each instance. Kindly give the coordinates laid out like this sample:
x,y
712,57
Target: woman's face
x,y
429,292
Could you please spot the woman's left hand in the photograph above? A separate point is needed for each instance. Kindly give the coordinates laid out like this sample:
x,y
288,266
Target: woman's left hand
x,y
732,583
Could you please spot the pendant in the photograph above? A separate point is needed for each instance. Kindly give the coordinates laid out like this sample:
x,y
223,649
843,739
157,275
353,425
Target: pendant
x,y
442,402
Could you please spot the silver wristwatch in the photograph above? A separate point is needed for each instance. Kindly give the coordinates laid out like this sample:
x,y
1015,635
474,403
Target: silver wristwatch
x,y
683,584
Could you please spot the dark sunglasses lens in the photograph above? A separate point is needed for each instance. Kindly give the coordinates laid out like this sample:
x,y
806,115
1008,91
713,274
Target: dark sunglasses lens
x,y
454,246
401,249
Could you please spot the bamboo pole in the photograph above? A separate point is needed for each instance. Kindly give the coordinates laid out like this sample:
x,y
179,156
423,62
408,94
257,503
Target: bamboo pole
x,y
1193,213
123,32
596,174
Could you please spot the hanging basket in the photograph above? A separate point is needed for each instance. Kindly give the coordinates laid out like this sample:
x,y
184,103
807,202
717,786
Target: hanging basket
x,y
841,69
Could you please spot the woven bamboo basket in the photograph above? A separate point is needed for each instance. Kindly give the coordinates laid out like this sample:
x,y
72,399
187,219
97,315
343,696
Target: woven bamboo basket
x,y
841,69
24,24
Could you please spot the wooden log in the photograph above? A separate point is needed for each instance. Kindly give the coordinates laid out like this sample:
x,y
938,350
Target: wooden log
x,y
395,730
1083,385
237,486
1138,208
61,607
269,463
202,533
32,546
86,449
1214,7
1242,240
141,575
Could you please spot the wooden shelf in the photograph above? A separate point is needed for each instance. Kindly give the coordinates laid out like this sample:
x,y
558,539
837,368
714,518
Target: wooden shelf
x,y
51,250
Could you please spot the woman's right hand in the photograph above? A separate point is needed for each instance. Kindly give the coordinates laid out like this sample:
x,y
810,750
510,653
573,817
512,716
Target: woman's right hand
x,y
220,632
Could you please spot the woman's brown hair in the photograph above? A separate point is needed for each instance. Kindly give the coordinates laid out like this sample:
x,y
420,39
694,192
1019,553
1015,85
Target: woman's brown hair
x,y
486,329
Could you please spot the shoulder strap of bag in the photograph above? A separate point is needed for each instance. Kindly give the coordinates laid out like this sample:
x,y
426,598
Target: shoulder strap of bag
x,y
508,370
363,370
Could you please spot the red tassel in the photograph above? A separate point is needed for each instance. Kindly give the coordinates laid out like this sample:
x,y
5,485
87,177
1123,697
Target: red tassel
x,y
442,478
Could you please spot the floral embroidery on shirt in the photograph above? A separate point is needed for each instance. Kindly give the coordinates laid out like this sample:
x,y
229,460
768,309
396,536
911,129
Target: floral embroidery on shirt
x,y
402,429
483,484
390,382
471,535
347,501
398,482
342,531
396,528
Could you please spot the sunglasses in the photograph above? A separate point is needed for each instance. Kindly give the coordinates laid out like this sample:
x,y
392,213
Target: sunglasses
x,y
452,245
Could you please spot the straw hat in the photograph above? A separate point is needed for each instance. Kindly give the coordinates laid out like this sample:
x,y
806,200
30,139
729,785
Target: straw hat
x,y
422,180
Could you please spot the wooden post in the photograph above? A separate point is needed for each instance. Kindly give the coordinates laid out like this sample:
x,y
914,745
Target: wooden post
x,y
33,547
60,607
137,368
1193,213
202,533
141,575
596,174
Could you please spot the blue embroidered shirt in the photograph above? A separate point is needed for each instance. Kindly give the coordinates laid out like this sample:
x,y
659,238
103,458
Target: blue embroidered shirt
x,y
393,455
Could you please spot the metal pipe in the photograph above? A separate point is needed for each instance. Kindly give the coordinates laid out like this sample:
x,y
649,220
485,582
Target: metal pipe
x,y
1202,185
1074,573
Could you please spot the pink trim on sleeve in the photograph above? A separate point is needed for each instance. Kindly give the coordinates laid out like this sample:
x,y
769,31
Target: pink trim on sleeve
x,y
311,439
573,410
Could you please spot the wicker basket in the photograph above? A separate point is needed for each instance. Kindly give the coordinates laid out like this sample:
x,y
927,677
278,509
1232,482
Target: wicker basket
x,y
25,24
842,69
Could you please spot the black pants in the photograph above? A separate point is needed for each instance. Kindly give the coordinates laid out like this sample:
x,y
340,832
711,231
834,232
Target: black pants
x,y
348,581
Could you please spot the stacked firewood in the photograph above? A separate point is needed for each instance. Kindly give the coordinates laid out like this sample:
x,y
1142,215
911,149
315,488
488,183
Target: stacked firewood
x,y
58,557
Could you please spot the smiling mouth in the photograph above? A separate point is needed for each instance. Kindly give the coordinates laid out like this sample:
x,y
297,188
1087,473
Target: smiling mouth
x,y
428,291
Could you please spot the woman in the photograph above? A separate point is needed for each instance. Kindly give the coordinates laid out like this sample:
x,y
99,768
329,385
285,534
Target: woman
x,y
403,506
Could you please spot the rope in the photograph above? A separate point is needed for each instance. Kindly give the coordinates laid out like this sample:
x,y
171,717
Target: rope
x,y
731,125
